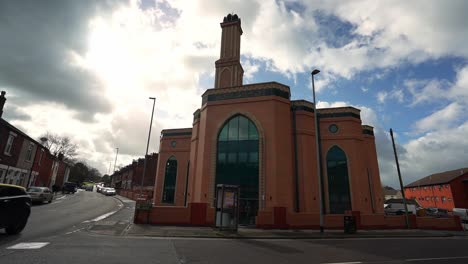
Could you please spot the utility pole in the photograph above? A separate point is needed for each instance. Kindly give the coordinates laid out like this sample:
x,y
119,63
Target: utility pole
x,y
147,146
401,182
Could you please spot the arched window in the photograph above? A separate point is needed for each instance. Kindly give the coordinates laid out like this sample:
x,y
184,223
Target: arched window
x,y
170,180
237,163
338,181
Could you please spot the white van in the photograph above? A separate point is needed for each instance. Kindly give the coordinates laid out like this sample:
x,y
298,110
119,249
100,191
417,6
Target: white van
x,y
399,209
463,213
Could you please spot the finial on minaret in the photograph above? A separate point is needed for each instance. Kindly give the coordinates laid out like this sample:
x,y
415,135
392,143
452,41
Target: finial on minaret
x,y
229,71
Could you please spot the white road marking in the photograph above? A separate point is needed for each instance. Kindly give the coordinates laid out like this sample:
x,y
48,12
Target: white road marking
x,y
74,231
100,217
61,197
441,258
30,245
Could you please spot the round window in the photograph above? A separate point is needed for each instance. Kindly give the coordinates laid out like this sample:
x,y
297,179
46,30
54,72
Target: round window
x,y
333,128
173,144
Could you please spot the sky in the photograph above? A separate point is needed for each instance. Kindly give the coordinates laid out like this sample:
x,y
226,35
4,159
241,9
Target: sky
x,y
85,69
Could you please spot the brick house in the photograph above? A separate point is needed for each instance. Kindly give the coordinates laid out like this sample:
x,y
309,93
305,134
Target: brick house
x,y
17,153
445,190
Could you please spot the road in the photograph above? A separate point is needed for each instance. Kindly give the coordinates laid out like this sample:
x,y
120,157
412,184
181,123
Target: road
x,y
65,214
66,241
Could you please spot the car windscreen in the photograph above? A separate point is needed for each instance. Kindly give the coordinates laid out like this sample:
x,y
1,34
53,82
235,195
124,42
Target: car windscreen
x,y
34,190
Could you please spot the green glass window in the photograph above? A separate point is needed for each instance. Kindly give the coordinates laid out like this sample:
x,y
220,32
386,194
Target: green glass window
x,y
170,180
338,181
238,163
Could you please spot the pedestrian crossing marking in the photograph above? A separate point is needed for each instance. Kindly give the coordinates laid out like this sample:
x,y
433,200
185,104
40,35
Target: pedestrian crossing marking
x,y
29,245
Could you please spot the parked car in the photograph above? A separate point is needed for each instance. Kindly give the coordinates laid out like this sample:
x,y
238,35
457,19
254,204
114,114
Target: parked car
x,y
15,208
40,194
108,191
436,212
99,188
69,187
89,188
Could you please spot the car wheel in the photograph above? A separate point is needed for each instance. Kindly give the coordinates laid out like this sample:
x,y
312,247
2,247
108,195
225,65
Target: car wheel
x,y
15,228
50,200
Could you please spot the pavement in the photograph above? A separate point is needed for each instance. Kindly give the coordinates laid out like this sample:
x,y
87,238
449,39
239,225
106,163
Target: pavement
x,y
121,224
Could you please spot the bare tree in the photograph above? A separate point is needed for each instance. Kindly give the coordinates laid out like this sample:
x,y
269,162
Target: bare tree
x,y
59,144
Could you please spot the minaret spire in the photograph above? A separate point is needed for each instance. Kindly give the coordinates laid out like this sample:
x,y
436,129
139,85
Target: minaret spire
x,y
229,71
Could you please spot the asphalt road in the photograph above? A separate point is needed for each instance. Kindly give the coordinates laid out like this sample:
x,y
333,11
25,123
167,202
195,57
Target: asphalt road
x,y
65,214
83,247
66,240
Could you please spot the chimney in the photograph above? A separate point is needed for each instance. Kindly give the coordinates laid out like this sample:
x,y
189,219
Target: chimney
x,y
229,71
2,102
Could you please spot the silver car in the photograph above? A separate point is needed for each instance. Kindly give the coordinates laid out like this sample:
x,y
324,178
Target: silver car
x,y
40,194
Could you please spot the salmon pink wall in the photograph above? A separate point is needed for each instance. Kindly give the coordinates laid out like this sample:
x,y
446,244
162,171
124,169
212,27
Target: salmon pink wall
x,y
182,153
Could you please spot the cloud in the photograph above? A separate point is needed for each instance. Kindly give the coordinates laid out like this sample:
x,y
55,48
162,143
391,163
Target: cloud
x,y
381,96
437,151
250,68
396,94
426,91
441,119
39,44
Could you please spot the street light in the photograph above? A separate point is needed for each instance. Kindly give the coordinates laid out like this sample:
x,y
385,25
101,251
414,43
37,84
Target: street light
x,y
147,146
317,144
117,153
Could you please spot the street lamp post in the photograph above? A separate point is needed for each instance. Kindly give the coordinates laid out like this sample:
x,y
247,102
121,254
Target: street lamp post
x,y
147,146
117,153
317,144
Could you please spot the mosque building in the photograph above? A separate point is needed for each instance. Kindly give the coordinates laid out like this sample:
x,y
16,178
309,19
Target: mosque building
x,y
254,136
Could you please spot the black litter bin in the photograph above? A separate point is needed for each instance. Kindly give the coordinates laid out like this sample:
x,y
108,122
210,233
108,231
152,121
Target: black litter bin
x,y
349,224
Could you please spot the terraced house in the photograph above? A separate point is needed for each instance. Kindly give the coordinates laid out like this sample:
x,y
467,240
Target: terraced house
x,y
24,161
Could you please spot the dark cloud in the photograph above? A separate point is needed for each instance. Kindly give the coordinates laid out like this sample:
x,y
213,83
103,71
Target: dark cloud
x,y
12,112
37,41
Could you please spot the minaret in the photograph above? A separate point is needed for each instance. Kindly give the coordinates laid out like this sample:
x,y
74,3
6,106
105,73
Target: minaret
x,y
229,71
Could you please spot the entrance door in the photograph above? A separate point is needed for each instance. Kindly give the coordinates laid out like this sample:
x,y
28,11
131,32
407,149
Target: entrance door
x,y
237,164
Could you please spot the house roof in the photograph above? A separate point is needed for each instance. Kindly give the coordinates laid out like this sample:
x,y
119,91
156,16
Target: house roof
x,y
16,130
439,178
387,190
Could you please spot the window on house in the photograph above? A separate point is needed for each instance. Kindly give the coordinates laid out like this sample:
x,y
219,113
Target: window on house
x,y
446,186
2,176
40,157
449,199
425,188
443,199
30,150
9,144
427,198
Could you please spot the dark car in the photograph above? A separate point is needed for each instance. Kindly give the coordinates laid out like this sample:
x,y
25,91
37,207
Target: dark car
x,y
69,187
15,207
436,212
